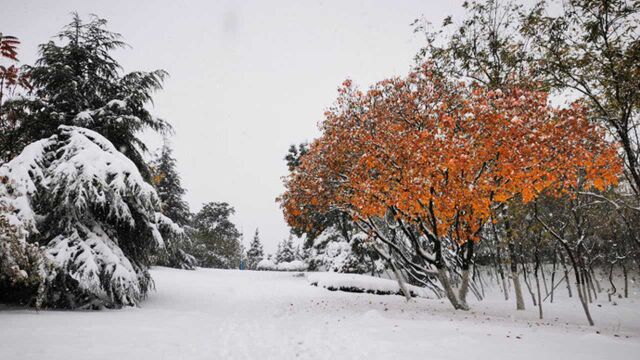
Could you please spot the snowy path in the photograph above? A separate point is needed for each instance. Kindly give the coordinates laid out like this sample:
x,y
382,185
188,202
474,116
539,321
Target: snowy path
x,y
217,314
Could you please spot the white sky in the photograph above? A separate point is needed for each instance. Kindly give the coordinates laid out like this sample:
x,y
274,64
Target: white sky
x,y
247,78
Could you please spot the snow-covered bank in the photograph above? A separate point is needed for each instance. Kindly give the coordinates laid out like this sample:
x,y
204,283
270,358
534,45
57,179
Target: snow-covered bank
x,y
225,314
361,284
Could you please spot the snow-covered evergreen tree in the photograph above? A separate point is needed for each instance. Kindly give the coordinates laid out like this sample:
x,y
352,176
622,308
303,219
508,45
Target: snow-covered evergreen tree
x,y
168,185
176,251
255,252
92,215
77,82
286,251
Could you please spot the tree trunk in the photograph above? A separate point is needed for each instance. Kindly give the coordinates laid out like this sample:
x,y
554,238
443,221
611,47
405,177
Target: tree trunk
x,y
585,286
499,264
538,286
443,277
591,284
626,281
544,281
479,272
464,289
401,281
566,275
585,304
580,291
525,276
595,280
553,274
515,278
613,288
504,282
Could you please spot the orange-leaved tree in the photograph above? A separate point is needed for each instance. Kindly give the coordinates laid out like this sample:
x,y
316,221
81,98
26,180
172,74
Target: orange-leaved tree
x,y
421,164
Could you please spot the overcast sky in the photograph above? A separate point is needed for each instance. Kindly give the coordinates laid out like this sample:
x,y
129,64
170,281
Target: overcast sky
x,y
247,78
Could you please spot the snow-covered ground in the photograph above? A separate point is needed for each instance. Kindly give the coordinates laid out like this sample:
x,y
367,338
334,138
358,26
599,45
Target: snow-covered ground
x,y
226,314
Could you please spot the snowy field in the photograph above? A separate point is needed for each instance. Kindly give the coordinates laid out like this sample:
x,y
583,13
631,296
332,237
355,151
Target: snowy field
x,y
226,314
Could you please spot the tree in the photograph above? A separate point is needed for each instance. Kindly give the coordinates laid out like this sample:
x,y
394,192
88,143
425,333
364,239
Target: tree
x,y
176,252
485,47
433,160
166,179
255,253
77,82
90,215
216,240
592,49
12,79
286,251
12,76
168,185
321,220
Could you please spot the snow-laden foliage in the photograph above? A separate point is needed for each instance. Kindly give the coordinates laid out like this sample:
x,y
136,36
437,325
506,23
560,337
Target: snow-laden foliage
x,y
176,241
332,251
362,284
286,251
21,263
175,212
255,254
295,265
168,184
270,265
77,82
266,264
95,218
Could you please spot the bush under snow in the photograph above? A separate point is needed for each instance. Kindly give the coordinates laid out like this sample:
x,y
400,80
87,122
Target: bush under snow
x,y
331,251
361,284
266,264
295,265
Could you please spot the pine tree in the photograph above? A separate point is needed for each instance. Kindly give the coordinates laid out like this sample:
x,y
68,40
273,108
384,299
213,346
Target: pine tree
x,y
77,82
168,185
216,240
92,216
286,252
255,253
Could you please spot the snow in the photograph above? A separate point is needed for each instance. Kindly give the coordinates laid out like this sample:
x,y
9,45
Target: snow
x,y
84,157
120,104
331,251
231,314
94,259
361,283
74,179
295,265
266,264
